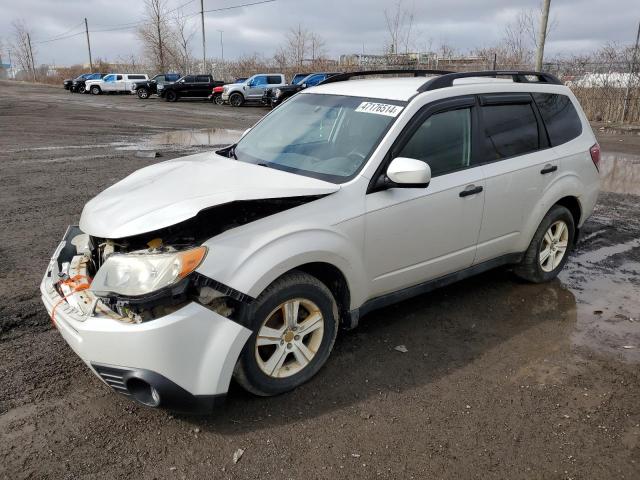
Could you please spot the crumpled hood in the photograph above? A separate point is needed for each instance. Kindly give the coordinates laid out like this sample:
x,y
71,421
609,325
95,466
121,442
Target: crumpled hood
x,y
170,192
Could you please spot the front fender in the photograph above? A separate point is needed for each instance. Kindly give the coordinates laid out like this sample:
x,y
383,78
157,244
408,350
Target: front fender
x,y
249,266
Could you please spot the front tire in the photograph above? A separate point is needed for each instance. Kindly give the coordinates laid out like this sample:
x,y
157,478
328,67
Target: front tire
x,y
550,247
95,90
80,89
236,100
171,96
294,323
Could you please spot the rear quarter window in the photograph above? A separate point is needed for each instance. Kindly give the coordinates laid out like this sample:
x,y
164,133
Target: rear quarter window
x,y
274,79
559,116
509,130
202,79
137,77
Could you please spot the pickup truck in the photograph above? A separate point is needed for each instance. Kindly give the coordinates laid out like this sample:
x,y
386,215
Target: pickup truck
x,y
189,86
216,93
79,84
69,81
114,83
236,94
147,88
275,96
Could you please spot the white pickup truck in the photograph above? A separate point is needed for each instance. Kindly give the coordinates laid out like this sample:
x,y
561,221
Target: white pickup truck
x,y
114,82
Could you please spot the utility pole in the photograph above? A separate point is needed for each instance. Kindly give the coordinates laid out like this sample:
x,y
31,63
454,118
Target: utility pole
x,y
86,29
204,48
33,65
632,71
542,36
221,45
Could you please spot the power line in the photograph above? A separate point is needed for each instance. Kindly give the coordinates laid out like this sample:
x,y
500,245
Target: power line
x,y
60,35
59,38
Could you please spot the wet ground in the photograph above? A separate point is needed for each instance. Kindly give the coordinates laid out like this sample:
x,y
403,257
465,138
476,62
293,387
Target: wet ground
x,y
501,379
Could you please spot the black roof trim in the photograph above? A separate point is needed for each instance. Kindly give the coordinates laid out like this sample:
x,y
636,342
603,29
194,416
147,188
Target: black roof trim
x,y
518,76
416,73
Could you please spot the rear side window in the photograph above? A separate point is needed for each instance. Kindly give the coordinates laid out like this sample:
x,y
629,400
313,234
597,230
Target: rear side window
x,y
189,79
560,117
119,77
274,79
202,79
443,141
509,130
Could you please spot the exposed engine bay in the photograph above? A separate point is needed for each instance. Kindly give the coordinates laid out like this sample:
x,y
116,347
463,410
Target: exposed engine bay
x,y
85,255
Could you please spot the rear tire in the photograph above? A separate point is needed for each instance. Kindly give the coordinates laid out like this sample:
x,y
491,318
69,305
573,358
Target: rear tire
x,y
142,93
289,353
95,90
550,247
171,96
236,100
217,99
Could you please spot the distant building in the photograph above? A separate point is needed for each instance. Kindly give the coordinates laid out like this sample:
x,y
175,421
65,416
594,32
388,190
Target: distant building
x,y
7,71
408,60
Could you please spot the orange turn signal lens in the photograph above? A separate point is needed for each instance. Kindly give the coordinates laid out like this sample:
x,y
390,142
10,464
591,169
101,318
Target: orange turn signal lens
x,y
190,260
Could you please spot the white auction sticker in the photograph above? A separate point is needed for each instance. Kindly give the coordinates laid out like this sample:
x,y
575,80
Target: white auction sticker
x,y
379,108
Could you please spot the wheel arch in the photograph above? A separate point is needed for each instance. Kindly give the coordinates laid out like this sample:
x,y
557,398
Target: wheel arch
x,y
565,191
333,278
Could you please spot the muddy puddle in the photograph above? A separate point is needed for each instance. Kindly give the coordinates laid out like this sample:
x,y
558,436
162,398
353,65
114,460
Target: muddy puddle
x,y
605,282
620,173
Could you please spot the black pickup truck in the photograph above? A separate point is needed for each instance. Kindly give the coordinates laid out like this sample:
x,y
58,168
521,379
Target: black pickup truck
x,y
189,86
149,87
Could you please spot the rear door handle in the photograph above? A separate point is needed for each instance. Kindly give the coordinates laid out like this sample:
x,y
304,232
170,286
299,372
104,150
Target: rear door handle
x,y
548,169
470,190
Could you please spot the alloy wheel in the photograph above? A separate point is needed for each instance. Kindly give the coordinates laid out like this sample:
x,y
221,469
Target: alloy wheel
x,y
289,338
554,246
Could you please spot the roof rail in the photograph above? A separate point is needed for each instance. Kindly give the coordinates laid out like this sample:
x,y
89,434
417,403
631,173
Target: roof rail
x,y
416,73
518,76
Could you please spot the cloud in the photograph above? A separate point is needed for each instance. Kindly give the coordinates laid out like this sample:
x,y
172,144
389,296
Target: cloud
x,y
347,26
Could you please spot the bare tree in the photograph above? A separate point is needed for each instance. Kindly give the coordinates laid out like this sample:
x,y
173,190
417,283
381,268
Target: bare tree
x,y
317,47
20,47
399,21
297,45
183,34
155,32
521,36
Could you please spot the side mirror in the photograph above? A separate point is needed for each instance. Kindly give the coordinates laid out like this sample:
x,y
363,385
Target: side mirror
x,y
304,85
409,172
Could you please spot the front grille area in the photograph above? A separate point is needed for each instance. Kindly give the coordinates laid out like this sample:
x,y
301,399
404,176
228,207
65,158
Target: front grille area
x,y
114,377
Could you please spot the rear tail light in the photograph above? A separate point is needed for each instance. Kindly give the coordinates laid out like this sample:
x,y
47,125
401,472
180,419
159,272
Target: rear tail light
x,y
595,155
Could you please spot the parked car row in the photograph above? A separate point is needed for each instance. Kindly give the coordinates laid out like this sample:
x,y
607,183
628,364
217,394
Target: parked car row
x,y
270,89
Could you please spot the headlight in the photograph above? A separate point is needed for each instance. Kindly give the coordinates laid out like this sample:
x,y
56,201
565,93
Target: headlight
x,y
160,87
277,92
132,274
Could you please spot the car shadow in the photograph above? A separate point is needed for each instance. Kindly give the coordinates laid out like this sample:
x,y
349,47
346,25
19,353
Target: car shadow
x,y
442,331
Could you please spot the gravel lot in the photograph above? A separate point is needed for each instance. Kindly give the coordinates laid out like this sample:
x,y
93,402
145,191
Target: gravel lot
x,y
501,379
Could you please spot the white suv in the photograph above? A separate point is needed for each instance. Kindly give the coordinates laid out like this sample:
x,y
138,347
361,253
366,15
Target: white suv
x,y
352,195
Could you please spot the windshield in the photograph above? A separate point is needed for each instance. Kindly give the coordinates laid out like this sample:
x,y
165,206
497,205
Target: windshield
x,y
329,137
298,78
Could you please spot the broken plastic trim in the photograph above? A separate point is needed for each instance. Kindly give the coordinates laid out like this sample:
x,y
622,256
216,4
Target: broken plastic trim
x,y
175,295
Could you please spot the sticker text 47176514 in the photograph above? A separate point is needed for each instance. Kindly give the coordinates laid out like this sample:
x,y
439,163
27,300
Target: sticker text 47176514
x,y
379,108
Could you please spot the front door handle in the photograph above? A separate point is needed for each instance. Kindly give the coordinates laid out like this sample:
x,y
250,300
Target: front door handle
x,y
470,190
548,169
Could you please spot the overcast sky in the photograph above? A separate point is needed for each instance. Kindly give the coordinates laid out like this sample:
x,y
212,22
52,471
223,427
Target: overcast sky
x,y
345,25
